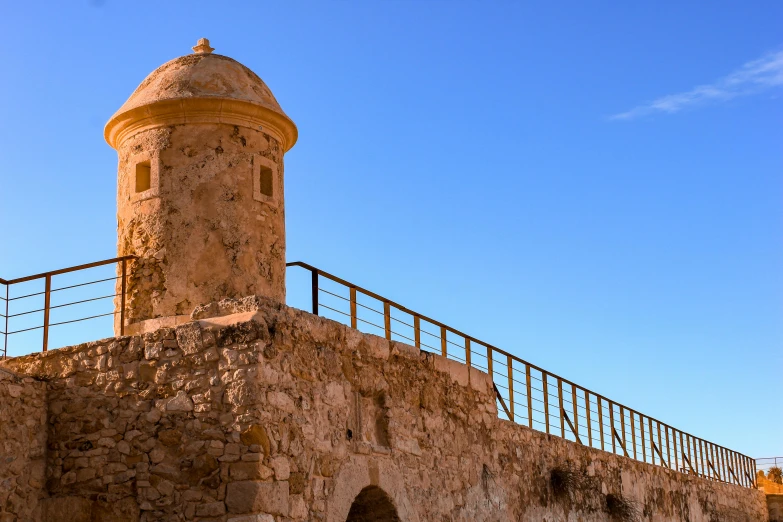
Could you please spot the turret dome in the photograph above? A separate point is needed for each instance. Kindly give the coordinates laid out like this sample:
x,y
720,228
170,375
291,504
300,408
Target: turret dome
x,y
202,85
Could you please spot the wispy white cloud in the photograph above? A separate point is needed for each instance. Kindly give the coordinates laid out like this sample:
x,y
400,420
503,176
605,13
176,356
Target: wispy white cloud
x,y
753,77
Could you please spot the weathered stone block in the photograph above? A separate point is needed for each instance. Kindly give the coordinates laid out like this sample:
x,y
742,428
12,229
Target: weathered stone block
x,y
250,496
67,509
189,338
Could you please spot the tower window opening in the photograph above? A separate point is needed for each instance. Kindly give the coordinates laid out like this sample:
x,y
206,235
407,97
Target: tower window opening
x,y
265,181
143,176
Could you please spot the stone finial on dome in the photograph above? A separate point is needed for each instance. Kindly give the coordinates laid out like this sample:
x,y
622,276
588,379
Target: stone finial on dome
x,y
202,47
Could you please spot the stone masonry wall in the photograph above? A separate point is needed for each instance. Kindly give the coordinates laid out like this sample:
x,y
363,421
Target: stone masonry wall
x,y
775,506
275,415
22,447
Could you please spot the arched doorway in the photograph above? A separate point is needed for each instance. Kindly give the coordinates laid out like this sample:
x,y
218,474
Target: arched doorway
x,y
372,504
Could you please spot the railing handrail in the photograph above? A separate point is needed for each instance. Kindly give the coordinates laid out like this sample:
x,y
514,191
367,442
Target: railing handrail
x,y
47,277
314,270
66,270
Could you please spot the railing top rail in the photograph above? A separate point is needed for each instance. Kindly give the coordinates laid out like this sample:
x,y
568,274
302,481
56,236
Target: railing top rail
x,y
494,348
65,270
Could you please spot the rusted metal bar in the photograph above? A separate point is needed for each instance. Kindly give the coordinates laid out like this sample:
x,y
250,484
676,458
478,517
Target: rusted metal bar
x,y
490,368
641,432
571,426
560,400
701,459
714,473
744,470
658,425
576,413
755,473
600,420
622,443
652,443
674,442
611,423
546,401
314,283
716,462
387,320
633,436
622,426
668,447
660,455
5,335
47,304
417,337
529,398
587,414
510,370
682,450
502,402
354,315
733,475
443,347
467,353
122,296
688,461
70,269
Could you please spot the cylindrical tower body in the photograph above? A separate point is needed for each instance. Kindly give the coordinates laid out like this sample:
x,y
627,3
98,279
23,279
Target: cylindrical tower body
x,y
200,188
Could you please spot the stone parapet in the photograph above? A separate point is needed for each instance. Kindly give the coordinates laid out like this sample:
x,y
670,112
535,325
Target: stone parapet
x,y
255,411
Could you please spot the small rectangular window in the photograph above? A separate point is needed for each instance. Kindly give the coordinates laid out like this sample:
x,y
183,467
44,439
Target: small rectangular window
x,y
143,175
265,181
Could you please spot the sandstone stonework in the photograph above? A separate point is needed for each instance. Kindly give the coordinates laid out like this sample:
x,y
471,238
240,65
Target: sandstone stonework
x,y
275,415
22,447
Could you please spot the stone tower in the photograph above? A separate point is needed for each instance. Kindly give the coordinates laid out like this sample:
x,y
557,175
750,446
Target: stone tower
x,y
199,187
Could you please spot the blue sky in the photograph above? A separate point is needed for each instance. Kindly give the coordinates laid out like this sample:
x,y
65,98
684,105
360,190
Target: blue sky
x,y
595,188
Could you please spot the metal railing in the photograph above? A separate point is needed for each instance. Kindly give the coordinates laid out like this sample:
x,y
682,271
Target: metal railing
x,y
17,308
530,395
765,463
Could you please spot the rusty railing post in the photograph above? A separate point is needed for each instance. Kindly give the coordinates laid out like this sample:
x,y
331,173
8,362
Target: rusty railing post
x,y
560,400
611,423
529,398
417,333
5,335
490,369
633,434
510,370
122,300
600,419
546,401
641,432
467,352
47,303
315,290
354,317
622,427
443,348
387,320
576,411
587,414
652,440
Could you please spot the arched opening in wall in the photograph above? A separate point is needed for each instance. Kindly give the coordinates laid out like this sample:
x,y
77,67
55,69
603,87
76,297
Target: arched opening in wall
x,y
372,504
